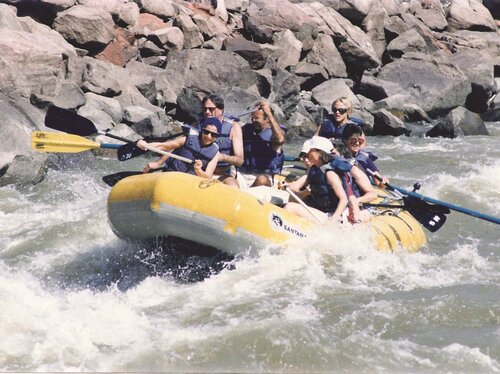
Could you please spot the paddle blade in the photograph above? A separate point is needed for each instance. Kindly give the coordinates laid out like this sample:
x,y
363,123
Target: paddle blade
x,y
128,151
432,217
60,143
67,121
113,179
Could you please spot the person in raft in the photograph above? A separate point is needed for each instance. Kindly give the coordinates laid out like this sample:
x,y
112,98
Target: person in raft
x,y
197,145
353,139
333,126
328,197
230,140
262,142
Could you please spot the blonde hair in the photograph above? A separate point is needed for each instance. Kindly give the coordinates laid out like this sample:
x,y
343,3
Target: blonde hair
x,y
344,100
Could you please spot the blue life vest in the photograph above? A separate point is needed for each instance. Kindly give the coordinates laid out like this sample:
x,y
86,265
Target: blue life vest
x,y
192,150
223,140
323,196
330,129
260,157
364,160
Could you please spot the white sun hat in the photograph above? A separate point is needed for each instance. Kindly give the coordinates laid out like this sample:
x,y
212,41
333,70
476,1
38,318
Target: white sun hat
x,y
323,144
306,146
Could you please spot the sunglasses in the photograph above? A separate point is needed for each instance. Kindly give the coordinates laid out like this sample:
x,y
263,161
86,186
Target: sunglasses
x,y
355,141
340,110
211,109
213,134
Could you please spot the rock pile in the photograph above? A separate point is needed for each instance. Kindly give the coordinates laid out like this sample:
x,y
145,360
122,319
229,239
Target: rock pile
x,y
140,66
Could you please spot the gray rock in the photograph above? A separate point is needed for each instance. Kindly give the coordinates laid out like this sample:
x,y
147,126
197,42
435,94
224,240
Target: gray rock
x,y
470,15
324,53
437,86
312,75
249,50
208,71
161,8
326,92
385,123
192,35
62,93
478,67
89,28
459,122
431,13
353,44
24,170
267,17
409,41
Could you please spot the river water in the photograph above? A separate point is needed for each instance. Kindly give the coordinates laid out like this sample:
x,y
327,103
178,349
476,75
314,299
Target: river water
x,y
76,298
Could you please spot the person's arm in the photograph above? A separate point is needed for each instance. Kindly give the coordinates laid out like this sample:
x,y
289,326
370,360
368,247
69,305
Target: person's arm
x,y
169,146
237,138
278,133
334,181
380,183
361,179
209,170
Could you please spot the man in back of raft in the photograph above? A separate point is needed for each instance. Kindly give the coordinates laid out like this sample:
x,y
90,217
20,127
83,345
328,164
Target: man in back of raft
x,y
262,144
230,141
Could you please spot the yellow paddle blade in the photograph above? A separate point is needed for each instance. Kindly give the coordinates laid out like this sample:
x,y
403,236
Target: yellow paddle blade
x,y
65,143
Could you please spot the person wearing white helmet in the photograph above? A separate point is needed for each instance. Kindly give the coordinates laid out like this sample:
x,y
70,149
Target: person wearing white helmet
x,y
328,198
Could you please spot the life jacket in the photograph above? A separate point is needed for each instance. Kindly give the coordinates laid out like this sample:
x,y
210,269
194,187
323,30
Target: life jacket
x,y
192,150
330,129
260,157
364,160
223,140
322,195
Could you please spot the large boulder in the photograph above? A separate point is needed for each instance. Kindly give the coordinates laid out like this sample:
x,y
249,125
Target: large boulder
x,y
86,27
478,67
267,17
353,44
208,71
436,85
470,15
459,122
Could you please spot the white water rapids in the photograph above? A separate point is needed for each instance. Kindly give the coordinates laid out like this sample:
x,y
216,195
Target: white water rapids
x,y
76,298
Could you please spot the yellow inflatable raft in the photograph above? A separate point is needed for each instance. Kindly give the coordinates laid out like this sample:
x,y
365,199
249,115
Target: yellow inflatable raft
x,y
210,213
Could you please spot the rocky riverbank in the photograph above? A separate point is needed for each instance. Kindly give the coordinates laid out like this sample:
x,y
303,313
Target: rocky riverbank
x,y
139,67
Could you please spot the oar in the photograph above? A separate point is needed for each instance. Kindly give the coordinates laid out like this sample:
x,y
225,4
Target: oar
x,y
131,150
66,143
299,200
442,204
113,179
67,121
432,217
454,207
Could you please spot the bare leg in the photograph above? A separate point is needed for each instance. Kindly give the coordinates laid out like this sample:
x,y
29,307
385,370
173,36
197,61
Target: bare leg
x,y
299,210
230,181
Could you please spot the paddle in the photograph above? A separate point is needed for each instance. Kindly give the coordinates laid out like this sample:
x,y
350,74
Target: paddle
x,y
128,151
67,143
131,150
448,206
113,179
306,207
59,119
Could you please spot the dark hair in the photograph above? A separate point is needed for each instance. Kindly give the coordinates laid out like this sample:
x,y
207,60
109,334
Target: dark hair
x,y
350,130
324,157
217,100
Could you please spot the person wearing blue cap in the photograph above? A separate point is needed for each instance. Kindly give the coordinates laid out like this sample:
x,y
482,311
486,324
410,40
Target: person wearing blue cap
x,y
199,146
